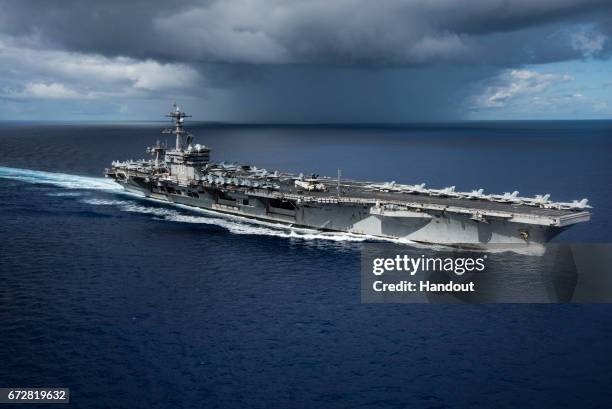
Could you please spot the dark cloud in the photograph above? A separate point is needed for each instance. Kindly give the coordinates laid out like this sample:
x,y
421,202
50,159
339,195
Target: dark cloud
x,y
110,28
367,32
317,94
485,17
294,61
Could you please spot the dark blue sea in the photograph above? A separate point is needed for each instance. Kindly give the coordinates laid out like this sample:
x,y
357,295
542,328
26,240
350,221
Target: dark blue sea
x,y
137,304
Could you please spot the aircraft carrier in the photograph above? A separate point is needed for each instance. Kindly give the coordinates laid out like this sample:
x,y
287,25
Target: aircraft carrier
x,y
186,175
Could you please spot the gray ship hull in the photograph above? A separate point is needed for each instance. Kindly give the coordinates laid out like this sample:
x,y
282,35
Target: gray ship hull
x,y
422,227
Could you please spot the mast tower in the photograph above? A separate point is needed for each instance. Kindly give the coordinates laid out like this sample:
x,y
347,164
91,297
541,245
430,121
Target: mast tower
x,y
179,117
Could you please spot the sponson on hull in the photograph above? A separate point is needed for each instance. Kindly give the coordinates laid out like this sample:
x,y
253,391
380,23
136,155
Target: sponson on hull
x,y
186,175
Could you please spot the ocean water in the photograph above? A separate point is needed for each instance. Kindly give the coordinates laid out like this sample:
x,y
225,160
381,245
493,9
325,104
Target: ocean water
x,y
137,304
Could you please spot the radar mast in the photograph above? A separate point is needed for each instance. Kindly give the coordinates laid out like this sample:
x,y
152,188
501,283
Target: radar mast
x,y
179,117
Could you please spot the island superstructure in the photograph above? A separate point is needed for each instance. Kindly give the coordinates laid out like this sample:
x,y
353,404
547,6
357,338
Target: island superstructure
x,y
186,175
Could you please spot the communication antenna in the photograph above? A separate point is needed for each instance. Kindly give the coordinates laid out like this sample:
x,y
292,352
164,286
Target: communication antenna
x,y
178,117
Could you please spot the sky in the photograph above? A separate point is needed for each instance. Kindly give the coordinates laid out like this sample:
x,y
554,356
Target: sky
x,y
308,61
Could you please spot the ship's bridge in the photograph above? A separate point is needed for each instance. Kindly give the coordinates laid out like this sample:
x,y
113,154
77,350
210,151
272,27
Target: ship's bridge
x,y
187,159
197,155
186,163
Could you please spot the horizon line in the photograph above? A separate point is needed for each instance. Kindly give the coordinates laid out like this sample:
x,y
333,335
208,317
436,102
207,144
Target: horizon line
x,y
236,123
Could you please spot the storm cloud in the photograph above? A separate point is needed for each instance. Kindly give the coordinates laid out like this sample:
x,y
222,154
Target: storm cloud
x,y
297,61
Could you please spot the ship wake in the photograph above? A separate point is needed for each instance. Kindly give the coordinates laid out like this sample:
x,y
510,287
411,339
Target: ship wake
x,y
59,179
168,211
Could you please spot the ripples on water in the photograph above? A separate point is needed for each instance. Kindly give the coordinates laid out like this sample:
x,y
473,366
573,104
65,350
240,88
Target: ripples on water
x,y
134,303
